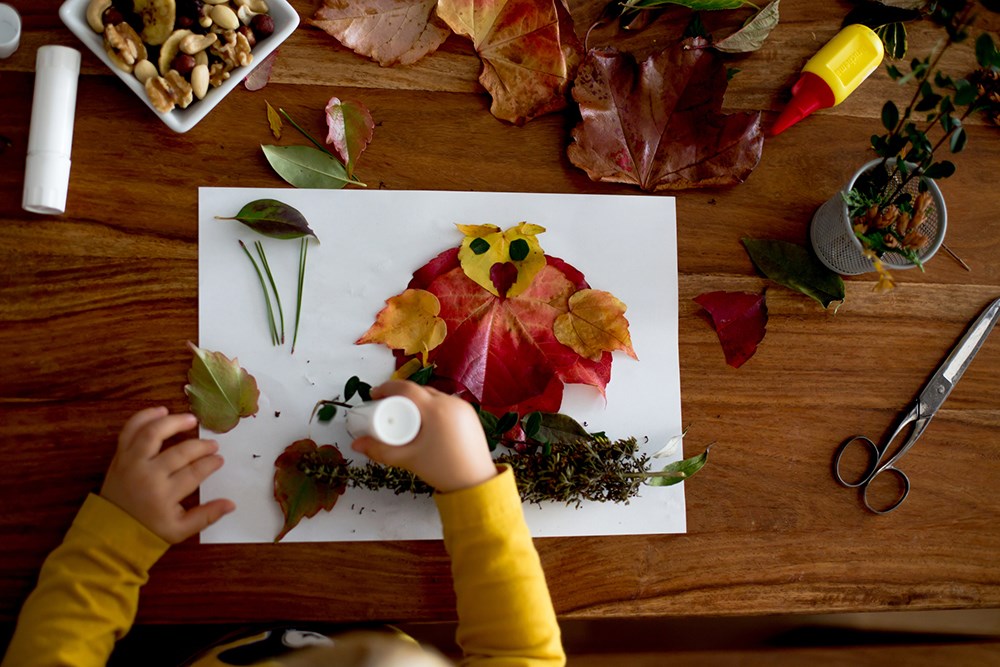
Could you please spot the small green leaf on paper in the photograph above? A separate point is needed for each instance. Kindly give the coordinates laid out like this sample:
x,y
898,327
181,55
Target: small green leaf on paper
x,y
307,167
220,392
796,268
308,479
273,218
752,35
556,427
679,471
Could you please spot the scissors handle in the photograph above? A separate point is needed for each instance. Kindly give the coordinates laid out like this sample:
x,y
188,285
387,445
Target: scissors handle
x,y
873,452
904,490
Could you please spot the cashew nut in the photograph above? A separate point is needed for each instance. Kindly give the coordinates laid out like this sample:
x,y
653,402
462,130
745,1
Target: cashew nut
x,y
245,15
95,14
196,43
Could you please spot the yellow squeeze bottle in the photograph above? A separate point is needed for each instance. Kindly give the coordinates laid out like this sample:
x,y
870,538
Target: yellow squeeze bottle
x,y
832,74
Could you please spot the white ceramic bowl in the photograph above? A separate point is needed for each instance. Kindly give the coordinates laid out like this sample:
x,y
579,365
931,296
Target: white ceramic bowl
x,y
286,19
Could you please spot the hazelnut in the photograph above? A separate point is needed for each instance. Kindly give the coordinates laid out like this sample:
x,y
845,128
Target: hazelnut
x,y
112,16
263,26
183,63
248,33
183,22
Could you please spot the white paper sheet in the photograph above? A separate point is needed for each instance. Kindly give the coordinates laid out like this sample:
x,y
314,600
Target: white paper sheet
x,y
371,242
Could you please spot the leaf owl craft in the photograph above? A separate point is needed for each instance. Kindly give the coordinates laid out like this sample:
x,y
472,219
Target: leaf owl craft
x,y
518,324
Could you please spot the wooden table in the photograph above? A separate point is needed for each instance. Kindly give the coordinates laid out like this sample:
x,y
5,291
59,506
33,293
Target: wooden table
x,y
96,306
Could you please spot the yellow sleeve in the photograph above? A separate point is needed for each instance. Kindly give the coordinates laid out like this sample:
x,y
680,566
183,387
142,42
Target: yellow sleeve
x,y
505,614
87,591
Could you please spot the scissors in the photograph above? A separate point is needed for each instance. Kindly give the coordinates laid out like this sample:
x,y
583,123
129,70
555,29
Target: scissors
x,y
918,415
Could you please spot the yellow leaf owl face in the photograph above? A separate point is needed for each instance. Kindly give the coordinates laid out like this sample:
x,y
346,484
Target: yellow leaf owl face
x,y
502,262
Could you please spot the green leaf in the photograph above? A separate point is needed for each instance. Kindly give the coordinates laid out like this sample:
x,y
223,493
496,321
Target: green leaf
x,y
965,93
327,413
531,423
506,422
518,249
986,52
795,267
307,167
273,218
349,129
894,72
479,245
893,36
307,479
731,72
942,169
220,392
753,33
422,376
556,427
958,140
354,385
679,471
890,116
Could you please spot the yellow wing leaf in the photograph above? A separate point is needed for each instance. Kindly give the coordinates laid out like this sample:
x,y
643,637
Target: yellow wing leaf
x,y
409,322
274,120
595,323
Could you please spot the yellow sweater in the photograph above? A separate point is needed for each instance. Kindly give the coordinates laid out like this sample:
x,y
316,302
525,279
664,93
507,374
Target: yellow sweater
x,y
88,589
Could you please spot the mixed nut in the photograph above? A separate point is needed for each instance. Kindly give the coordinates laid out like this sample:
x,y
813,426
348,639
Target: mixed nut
x,y
180,48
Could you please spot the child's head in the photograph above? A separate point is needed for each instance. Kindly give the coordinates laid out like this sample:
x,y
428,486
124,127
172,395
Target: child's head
x,y
366,649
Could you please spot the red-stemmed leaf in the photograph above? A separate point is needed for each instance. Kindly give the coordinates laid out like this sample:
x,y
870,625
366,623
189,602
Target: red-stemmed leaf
x,y
739,319
392,32
307,479
659,125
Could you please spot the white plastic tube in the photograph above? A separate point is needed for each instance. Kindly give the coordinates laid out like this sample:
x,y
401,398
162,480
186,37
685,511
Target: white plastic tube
x,y
394,420
50,140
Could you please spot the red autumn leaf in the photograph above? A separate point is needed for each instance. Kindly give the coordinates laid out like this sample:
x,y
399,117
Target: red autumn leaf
x,y
659,125
389,31
529,52
307,479
503,351
739,320
261,74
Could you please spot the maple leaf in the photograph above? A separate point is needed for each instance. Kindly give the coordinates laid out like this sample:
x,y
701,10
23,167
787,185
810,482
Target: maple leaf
x,y
595,323
219,391
388,31
659,125
529,52
409,322
349,128
739,319
307,479
503,351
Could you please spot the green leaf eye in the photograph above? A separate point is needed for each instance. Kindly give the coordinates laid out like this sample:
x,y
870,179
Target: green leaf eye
x,y
519,249
479,245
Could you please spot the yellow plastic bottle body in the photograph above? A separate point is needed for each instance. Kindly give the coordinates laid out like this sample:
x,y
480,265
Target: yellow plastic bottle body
x,y
847,60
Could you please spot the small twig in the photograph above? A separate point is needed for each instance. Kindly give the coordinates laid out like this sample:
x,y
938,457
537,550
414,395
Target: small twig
x,y
958,259
267,299
274,288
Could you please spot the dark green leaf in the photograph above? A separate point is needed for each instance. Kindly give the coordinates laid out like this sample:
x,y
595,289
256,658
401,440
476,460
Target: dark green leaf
x,y
273,218
680,470
326,413
365,391
958,140
894,72
488,420
965,93
893,36
530,423
890,116
506,422
876,14
518,249
351,387
479,246
307,167
556,427
423,376
731,72
986,52
942,169
795,267
928,102
753,33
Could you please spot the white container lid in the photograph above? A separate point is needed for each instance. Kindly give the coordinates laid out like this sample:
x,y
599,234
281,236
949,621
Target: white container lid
x,y
10,30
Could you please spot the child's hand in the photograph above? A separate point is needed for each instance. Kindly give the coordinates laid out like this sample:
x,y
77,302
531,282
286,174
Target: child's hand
x,y
150,484
449,453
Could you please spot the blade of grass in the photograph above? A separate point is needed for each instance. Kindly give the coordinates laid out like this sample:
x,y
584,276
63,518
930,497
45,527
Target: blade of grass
x,y
274,288
303,251
267,300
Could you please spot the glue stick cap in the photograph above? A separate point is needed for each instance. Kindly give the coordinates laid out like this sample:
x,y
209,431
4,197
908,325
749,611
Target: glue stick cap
x,y
50,139
10,30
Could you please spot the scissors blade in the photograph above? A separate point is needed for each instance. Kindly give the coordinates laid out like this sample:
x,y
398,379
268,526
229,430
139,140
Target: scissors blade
x,y
958,360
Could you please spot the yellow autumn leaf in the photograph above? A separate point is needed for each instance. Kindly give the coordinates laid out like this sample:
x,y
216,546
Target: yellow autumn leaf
x,y
406,370
595,323
409,322
486,249
274,120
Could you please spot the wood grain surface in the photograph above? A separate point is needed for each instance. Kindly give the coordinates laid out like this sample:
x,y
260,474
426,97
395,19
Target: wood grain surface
x,y
96,304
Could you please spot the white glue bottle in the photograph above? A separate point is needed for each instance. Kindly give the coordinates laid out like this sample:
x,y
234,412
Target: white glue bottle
x,y
394,420
50,140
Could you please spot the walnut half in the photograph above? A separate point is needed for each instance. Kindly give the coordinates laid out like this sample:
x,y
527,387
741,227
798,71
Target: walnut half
x,y
233,49
123,46
166,92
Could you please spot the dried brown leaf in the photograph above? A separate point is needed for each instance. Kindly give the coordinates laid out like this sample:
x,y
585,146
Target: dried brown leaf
x,y
392,32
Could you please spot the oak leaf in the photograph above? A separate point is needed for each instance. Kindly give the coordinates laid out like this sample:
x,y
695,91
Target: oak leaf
x,y
220,392
659,125
529,52
307,479
739,319
409,322
389,31
595,323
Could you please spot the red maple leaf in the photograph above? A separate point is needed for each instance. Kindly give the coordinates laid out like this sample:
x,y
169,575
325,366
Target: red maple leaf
x,y
503,351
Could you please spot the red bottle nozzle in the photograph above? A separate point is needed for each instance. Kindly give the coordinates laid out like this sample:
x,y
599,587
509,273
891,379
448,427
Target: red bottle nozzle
x,y
809,94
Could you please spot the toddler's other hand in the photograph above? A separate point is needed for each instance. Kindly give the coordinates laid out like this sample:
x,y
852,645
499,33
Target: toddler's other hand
x,y
149,483
449,453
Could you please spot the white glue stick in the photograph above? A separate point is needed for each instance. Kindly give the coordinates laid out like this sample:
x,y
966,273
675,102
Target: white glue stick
x,y
50,140
394,420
